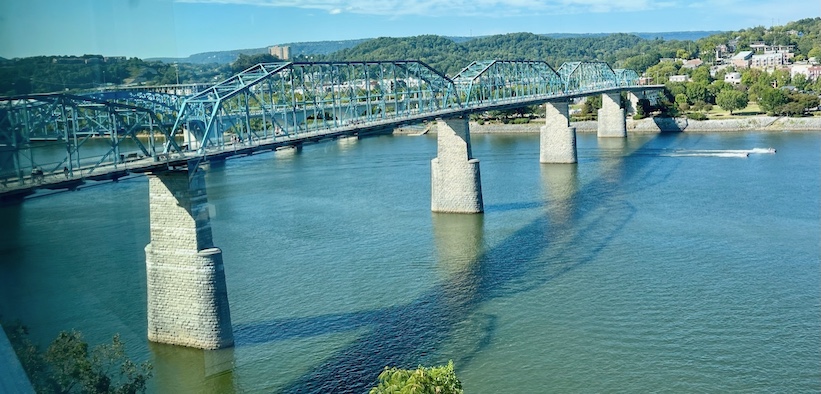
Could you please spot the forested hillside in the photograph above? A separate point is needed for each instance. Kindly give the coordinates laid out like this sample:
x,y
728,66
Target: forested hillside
x,y
450,57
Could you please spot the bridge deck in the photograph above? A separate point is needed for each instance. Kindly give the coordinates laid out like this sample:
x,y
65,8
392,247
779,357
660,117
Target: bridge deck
x,y
15,190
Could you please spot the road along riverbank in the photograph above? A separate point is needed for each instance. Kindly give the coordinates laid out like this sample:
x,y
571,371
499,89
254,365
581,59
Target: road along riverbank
x,y
651,125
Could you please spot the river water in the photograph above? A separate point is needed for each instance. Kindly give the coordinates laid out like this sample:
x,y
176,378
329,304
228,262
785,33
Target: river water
x,y
658,263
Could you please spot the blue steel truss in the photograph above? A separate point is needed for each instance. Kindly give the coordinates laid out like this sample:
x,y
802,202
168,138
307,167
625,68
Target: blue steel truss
x,y
286,100
277,102
626,77
585,76
33,124
494,82
165,105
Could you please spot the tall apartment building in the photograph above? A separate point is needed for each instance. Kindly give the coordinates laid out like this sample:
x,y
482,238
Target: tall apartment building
x,y
282,52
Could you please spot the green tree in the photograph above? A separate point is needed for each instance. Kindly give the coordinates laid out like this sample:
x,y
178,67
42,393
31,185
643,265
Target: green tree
x,y
67,366
243,61
701,75
800,81
591,105
771,99
698,92
814,52
732,100
433,380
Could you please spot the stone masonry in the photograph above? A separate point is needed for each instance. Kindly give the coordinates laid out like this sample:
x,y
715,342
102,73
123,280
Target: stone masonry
x,y
187,294
611,116
455,180
557,141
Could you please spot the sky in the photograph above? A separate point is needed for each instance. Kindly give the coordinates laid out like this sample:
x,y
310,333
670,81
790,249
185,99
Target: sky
x,y
179,28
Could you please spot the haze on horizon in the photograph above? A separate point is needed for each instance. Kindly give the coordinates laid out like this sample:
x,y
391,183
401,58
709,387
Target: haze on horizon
x,y
178,28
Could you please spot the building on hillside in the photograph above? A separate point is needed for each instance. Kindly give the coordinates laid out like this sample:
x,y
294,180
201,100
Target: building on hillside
x,y
679,78
715,69
721,51
768,60
811,71
758,46
732,45
733,78
802,69
742,59
281,52
692,64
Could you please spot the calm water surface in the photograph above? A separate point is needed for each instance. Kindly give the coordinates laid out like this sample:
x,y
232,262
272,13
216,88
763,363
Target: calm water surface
x,y
632,271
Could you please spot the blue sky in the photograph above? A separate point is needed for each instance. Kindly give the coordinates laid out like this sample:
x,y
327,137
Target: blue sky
x,y
178,28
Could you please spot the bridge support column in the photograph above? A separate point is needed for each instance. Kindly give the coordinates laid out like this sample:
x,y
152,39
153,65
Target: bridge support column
x,y
557,142
456,184
633,102
187,294
611,116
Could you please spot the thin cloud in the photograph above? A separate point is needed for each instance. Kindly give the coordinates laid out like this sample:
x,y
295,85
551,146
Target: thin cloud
x,y
490,8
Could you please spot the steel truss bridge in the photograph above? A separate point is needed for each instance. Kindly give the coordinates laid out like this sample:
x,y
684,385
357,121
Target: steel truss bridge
x,y
267,106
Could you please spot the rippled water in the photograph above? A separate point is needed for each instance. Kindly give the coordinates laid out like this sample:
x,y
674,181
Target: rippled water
x,y
639,269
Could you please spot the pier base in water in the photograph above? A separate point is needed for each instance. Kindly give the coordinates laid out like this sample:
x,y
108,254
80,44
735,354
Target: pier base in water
x,y
456,184
187,294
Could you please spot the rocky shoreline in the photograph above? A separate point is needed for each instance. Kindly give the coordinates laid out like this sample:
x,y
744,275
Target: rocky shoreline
x,y
653,125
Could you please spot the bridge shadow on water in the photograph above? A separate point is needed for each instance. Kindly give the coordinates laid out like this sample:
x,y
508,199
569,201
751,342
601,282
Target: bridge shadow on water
x,y
543,250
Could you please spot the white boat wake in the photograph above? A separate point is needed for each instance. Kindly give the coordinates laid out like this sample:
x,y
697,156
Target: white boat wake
x,y
718,152
707,154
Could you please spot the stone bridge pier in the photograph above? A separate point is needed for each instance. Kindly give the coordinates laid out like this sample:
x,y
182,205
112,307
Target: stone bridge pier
x,y
611,116
456,185
557,141
633,101
187,294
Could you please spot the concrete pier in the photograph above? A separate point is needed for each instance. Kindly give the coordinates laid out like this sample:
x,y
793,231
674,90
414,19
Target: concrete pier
x,y
557,141
633,102
611,117
187,294
456,184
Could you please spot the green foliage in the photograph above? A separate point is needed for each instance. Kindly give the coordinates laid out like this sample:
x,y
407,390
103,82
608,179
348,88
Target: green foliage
x,y
771,99
698,92
643,109
661,72
433,380
243,61
591,106
681,101
696,116
67,366
701,75
449,57
732,100
41,74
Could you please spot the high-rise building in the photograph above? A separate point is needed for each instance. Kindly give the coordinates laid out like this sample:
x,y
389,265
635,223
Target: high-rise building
x,y
282,52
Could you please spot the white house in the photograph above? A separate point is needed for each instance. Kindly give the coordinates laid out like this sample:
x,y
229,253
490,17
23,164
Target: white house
x,y
733,78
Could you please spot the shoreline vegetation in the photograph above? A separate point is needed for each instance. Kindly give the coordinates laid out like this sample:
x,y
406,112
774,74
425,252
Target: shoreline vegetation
x,y
649,125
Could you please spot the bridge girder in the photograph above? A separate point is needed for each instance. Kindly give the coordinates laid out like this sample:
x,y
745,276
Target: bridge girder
x,y
289,99
493,82
626,77
70,120
583,76
165,105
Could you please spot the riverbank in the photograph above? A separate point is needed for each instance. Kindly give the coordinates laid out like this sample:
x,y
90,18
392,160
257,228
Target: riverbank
x,y
652,125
